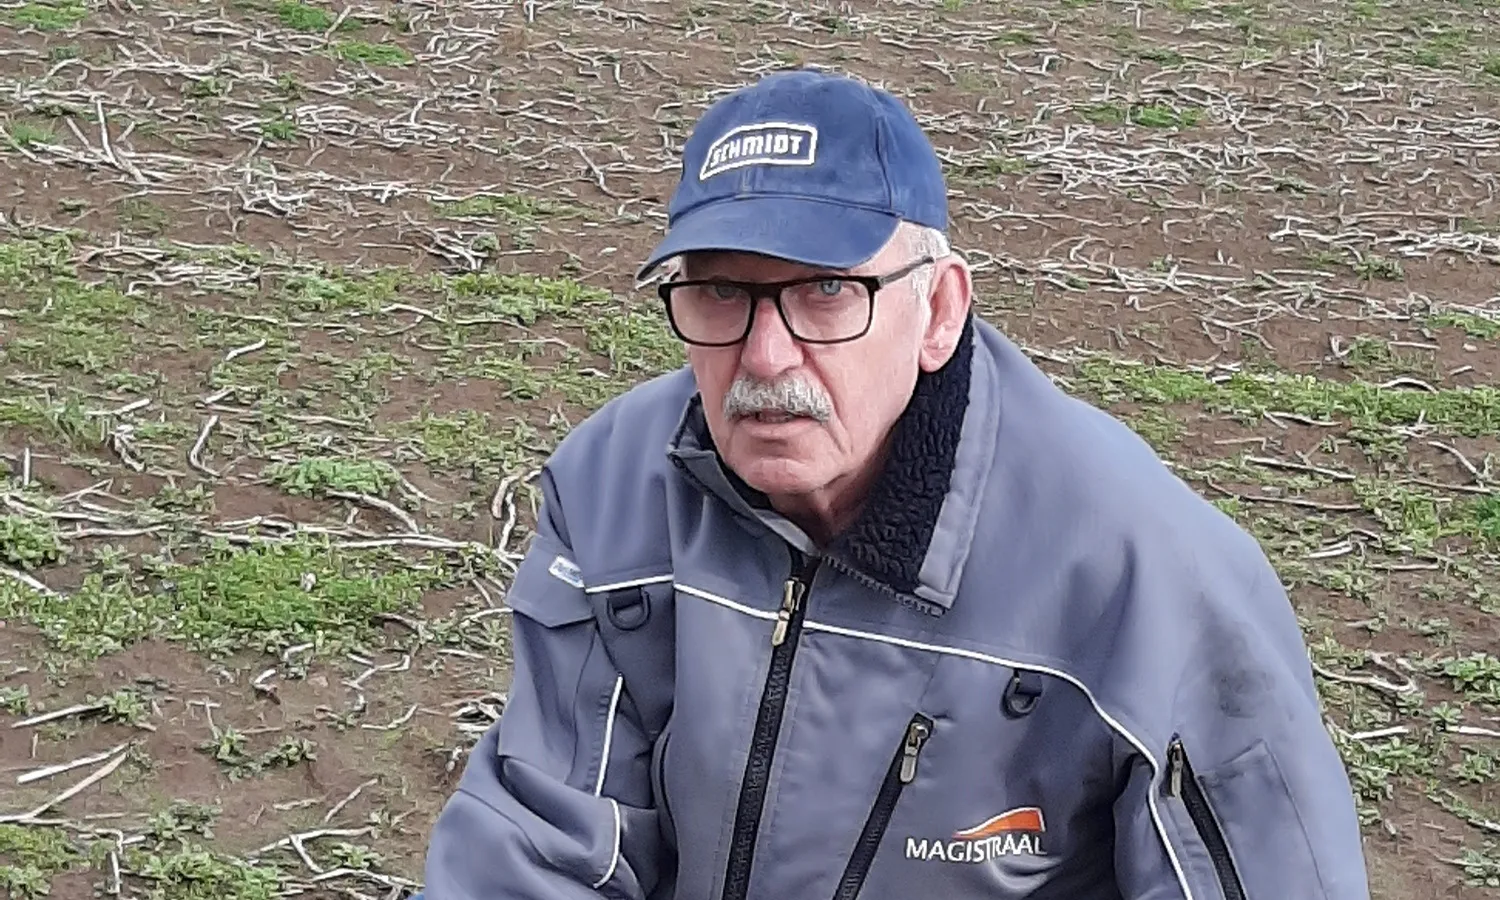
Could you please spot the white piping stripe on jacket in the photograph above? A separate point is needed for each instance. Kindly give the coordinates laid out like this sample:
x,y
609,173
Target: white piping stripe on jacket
x,y
810,625
609,736
737,607
609,733
634,582
614,861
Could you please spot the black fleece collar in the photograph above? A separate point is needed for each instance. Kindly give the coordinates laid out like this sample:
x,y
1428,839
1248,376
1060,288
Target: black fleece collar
x,y
888,542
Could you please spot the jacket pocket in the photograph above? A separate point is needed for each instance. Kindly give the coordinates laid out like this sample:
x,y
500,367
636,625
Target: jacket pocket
x,y
568,753
902,771
1183,784
548,588
1243,812
548,592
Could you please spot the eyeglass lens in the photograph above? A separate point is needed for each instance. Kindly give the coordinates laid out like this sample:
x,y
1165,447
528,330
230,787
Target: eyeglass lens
x,y
828,309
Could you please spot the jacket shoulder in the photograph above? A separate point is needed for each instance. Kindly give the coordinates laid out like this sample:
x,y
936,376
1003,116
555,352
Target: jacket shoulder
x,y
642,418
1072,477
1132,578
606,481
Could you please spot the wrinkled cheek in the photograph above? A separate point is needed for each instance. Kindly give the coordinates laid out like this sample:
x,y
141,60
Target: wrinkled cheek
x,y
714,368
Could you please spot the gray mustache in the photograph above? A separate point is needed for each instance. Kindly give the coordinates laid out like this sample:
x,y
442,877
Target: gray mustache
x,y
747,396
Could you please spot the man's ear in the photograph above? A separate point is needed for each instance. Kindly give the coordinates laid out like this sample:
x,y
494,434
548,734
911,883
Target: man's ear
x,y
948,308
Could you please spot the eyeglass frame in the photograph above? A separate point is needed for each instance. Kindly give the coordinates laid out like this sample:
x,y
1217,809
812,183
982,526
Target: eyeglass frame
x,y
772,290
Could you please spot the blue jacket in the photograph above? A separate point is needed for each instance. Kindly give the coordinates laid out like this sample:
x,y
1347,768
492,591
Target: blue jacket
x,y
1039,665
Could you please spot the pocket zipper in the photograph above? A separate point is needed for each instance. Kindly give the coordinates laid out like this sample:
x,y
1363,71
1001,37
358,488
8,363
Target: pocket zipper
x,y
1182,783
902,771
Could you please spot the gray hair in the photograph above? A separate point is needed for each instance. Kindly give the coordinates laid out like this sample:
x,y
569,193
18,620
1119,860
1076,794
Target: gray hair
x,y
922,240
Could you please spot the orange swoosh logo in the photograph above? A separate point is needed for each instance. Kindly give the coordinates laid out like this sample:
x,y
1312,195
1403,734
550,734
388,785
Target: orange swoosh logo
x,y
1025,818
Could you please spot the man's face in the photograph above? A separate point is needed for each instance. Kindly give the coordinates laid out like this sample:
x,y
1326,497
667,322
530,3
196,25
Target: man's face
x,y
831,405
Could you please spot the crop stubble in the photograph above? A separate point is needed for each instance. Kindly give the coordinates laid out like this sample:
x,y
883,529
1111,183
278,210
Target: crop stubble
x,y
294,298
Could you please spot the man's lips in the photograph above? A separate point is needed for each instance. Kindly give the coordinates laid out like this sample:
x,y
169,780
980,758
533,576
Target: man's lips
x,y
773,417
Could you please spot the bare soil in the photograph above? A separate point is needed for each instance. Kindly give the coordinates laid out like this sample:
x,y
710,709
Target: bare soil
x,y
294,299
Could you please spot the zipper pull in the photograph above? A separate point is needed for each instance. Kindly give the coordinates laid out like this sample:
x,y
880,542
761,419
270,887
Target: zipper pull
x,y
791,597
1175,760
916,735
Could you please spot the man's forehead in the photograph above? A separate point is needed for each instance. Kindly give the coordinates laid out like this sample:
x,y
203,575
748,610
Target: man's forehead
x,y
708,264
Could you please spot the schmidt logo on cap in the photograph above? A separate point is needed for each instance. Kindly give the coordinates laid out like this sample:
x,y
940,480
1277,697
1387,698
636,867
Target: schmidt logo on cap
x,y
806,166
765,143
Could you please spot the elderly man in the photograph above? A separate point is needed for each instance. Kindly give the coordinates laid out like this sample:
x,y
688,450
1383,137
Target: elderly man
x,y
860,604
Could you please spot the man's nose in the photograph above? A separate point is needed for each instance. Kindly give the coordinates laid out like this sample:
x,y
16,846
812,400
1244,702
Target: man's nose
x,y
769,348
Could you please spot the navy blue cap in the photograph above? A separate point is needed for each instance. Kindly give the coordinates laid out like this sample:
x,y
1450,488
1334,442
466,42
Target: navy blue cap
x,y
808,166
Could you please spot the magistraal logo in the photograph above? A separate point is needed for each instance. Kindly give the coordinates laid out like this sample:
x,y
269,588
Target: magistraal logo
x,y
1015,832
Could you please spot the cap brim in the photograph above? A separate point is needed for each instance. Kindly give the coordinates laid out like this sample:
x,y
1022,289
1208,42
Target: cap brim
x,y
809,232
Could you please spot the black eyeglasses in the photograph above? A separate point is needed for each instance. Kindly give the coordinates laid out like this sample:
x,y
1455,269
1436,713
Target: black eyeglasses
x,y
822,309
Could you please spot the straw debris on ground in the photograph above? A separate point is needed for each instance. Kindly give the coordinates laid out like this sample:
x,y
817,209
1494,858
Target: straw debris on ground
x,y
295,297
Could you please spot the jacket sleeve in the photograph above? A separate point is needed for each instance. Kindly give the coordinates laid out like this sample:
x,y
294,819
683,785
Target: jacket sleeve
x,y
1249,799
555,801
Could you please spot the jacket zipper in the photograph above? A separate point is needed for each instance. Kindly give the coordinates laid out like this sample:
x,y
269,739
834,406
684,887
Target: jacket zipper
x,y
1181,782
902,771
784,640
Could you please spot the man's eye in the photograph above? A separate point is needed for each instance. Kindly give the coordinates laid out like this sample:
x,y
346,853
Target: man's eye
x,y
724,291
831,287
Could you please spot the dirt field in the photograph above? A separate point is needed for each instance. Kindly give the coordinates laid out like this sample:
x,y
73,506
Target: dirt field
x,y
294,298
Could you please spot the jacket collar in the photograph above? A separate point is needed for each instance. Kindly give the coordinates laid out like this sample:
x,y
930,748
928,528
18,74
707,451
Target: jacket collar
x,y
914,534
